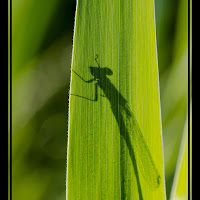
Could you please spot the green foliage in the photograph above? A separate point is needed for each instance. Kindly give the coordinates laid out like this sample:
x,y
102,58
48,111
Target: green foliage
x,y
115,145
41,55
28,16
180,183
40,126
174,95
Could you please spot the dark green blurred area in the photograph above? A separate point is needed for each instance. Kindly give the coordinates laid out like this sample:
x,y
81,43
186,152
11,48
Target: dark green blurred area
x,y
42,33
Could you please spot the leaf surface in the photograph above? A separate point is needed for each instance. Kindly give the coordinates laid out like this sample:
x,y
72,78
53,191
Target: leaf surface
x,y
180,183
114,144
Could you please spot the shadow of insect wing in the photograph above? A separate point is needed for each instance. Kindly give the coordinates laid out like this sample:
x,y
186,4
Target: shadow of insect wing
x,y
144,158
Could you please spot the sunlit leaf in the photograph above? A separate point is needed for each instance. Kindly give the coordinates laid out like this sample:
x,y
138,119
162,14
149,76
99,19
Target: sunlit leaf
x,y
174,95
115,143
180,183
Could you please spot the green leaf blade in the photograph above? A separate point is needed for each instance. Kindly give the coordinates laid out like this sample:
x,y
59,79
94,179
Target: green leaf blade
x,y
115,144
180,183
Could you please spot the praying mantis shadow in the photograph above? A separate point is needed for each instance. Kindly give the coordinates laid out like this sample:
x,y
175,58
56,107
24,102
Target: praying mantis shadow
x,y
128,127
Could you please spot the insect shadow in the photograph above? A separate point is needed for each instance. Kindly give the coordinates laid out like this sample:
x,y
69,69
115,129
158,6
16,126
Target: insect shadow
x,y
128,127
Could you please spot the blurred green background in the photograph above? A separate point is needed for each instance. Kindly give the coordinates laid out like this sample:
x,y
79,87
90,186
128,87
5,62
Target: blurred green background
x,y
42,33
